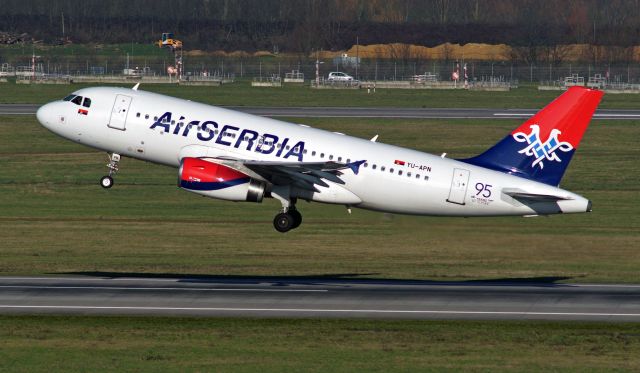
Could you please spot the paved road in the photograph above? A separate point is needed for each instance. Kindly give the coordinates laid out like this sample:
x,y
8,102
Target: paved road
x,y
321,297
361,112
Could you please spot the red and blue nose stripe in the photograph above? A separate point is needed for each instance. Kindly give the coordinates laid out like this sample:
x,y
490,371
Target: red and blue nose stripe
x,y
198,174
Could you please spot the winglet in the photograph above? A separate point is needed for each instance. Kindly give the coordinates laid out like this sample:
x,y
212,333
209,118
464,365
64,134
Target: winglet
x,y
355,166
135,87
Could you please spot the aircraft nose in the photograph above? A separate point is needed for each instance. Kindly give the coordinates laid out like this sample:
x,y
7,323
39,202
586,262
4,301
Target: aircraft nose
x,y
45,115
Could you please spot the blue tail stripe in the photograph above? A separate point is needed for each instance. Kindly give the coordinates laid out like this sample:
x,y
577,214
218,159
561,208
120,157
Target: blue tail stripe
x,y
505,157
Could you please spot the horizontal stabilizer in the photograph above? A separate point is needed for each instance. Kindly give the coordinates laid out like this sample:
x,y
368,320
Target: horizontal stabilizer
x,y
535,197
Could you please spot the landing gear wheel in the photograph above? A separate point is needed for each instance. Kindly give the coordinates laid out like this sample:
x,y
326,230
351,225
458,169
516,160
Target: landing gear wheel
x,y
297,218
106,182
283,222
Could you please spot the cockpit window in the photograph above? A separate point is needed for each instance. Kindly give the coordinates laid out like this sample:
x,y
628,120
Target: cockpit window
x,y
68,98
86,102
77,100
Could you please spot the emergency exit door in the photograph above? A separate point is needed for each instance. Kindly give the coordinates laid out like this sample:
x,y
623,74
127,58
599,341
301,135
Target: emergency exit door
x,y
459,184
118,119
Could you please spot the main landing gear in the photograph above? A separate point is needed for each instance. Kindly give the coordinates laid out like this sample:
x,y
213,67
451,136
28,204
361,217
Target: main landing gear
x,y
286,221
289,218
107,181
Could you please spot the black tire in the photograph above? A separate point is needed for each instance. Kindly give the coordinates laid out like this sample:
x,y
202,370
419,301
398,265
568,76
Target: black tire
x,y
283,222
297,218
106,182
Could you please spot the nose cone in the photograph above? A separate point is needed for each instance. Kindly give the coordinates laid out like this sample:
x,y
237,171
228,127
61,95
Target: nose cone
x,y
45,115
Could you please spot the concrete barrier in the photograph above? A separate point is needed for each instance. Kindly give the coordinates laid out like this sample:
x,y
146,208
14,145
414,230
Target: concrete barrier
x,y
122,79
266,84
43,81
622,91
213,83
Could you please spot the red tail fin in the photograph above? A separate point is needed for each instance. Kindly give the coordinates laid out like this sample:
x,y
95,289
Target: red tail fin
x,y
541,148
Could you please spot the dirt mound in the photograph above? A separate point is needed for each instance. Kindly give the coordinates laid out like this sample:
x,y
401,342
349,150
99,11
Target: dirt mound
x,y
473,51
447,51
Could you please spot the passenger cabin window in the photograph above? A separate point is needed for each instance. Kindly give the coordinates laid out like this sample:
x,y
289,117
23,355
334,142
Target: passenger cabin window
x,y
77,100
86,102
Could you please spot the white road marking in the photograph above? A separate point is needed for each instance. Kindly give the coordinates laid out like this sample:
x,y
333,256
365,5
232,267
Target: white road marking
x,y
513,114
322,310
163,288
602,115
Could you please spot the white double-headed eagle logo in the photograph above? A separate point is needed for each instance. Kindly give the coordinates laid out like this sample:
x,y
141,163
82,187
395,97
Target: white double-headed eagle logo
x,y
541,150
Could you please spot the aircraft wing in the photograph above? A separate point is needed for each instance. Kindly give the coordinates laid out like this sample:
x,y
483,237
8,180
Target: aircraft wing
x,y
301,174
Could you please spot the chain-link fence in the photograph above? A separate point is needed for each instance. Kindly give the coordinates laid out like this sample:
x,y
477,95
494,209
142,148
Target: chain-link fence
x,y
481,72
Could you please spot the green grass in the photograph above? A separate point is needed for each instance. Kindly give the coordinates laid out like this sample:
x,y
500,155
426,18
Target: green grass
x,y
242,94
116,344
55,219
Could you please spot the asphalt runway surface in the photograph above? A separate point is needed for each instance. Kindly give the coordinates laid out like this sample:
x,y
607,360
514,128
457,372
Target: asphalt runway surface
x,y
324,297
375,112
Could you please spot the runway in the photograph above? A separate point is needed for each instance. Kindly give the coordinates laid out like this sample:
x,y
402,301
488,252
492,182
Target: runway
x,y
374,112
330,297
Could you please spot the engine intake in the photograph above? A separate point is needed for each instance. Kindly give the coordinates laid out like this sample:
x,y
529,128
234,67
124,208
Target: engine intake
x,y
218,181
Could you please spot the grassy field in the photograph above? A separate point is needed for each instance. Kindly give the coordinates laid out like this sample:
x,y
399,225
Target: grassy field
x,y
242,94
55,219
117,344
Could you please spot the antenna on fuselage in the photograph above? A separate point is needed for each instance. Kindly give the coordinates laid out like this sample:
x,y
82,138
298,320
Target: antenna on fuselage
x,y
135,87
374,138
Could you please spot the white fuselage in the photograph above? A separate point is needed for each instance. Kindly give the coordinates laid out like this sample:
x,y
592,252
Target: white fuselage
x,y
394,179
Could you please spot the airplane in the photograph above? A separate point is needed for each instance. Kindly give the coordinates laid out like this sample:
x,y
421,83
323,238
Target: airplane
x,y
235,156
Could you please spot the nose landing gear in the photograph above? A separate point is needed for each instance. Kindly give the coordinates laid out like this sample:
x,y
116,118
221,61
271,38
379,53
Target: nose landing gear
x,y
107,181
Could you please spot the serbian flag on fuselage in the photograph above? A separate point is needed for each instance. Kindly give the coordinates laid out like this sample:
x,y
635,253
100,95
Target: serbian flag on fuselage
x,y
83,111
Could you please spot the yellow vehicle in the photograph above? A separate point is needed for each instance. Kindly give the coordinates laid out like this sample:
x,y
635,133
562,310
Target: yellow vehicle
x,y
169,41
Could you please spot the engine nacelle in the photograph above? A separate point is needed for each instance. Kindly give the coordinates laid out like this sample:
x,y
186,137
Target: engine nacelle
x,y
218,181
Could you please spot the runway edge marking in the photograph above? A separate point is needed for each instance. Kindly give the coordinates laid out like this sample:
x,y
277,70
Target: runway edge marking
x,y
303,310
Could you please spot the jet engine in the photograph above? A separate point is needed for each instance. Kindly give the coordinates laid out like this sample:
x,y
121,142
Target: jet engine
x,y
218,181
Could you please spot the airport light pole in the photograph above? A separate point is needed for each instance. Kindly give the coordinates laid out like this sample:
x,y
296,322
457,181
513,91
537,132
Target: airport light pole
x,y
357,56
318,69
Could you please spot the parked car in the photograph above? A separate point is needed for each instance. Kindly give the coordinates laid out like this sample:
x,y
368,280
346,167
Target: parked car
x,y
339,77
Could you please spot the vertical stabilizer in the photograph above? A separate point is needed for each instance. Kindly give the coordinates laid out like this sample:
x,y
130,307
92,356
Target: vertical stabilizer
x,y
542,147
